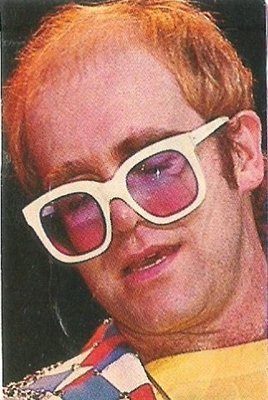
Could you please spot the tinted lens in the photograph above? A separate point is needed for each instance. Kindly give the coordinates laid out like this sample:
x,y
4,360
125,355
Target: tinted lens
x,y
163,184
74,223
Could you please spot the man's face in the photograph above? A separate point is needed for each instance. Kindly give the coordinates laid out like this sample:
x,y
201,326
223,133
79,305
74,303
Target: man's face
x,y
151,279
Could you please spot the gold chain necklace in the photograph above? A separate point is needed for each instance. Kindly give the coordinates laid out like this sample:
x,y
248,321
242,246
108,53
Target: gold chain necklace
x,y
158,387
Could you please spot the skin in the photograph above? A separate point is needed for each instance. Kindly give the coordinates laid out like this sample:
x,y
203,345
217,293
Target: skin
x,y
211,291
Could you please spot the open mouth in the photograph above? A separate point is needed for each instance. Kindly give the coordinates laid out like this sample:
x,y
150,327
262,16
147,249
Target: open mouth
x,y
149,260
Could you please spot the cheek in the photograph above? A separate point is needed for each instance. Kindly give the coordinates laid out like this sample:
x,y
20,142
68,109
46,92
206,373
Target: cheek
x,y
220,230
220,216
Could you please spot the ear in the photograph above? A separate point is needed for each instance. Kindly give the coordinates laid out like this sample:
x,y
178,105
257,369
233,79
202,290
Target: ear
x,y
248,158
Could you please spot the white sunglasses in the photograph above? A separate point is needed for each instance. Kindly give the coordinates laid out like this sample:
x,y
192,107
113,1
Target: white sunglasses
x,y
162,183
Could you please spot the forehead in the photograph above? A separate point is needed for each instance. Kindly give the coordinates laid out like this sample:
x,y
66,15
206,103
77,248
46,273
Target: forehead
x,y
114,97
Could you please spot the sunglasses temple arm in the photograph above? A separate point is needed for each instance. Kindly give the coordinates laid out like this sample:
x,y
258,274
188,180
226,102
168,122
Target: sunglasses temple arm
x,y
200,134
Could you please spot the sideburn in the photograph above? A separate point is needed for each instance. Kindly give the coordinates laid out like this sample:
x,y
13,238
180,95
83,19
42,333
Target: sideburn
x,y
225,147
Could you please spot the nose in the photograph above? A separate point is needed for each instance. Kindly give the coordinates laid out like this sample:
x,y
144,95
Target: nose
x,y
124,219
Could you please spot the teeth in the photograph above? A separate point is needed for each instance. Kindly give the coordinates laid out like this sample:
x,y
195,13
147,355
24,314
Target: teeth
x,y
152,264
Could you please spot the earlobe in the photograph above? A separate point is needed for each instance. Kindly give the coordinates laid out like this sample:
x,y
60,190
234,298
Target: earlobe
x,y
248,157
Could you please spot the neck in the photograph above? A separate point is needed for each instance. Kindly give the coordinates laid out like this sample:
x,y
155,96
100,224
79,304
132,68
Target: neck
x,y
242,320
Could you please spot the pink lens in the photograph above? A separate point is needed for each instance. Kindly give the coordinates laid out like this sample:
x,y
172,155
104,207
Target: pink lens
x,y
74,223
163,184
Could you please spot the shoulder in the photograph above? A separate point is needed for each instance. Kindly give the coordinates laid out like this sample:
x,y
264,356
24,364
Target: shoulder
x,y
100,368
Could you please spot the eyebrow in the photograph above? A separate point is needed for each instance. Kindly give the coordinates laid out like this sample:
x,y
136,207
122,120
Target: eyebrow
x,y
137,140
68,171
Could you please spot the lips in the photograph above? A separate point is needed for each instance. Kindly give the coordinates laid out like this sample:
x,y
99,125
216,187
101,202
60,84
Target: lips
x,y
144,263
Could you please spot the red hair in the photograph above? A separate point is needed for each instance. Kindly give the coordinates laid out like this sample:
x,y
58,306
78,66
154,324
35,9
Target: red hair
x,y
207,68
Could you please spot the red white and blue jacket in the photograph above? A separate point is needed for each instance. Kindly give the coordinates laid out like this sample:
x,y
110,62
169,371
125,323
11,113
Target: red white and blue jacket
x,y
106,369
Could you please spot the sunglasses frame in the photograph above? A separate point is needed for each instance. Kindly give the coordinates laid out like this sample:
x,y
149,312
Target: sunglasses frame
x,y
116,188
